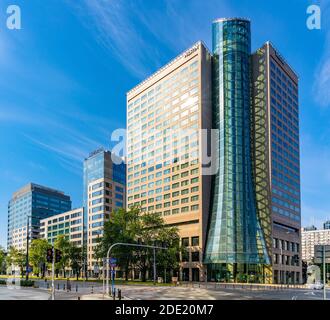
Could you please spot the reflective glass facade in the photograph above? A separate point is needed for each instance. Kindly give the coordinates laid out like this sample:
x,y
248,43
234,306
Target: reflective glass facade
x,y
37,202
235,237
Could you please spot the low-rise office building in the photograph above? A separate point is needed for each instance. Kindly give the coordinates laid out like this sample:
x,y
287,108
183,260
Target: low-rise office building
x,y
68,224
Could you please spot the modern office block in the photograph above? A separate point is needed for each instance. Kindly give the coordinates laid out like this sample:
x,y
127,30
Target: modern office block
x,y
27,207
104,191
277,161
164,168
243,224
311,238
326,225
69,224
236,241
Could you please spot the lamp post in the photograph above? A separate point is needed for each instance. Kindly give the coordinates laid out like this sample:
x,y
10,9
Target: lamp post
x,y
27,244
130,245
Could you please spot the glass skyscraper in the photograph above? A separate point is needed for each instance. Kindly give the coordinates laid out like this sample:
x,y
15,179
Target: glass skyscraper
x,y
104,191
33,202
235,242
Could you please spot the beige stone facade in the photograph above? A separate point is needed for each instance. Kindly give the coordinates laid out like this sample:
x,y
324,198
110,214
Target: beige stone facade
x,y
164,149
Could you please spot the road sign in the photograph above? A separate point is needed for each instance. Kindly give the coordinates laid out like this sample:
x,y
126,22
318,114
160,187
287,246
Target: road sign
x,y
318,254
112,262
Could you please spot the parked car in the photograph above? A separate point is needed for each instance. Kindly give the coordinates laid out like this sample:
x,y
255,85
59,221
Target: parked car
x,y
315,286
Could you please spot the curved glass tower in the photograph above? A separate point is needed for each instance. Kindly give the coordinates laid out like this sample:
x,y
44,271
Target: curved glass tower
x,y
235,242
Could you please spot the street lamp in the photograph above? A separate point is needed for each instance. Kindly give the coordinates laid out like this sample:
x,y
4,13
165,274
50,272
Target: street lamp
x,y
27,243
130,245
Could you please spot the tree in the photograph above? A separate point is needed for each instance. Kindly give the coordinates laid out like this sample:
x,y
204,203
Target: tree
x,y
76,259
37,255
152,231
2,260
120,228
17,258
62,244
132,226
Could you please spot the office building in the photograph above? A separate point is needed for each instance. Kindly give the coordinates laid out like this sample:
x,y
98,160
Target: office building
x,y
104,191
326,225
310,239
277,159
69,224
164,171
244,223
27,207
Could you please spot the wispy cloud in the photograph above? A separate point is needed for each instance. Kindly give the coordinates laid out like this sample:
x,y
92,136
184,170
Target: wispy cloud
x,y
114,26
132,33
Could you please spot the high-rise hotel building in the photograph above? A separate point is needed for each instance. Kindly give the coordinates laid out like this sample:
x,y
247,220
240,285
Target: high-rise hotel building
x,y
164,171
27,207
243,223
104,191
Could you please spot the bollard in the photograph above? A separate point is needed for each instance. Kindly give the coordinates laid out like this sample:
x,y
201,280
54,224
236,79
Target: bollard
x,y
63,287
47,285
58,286
76,288
119,294
92,289
78,298
114,294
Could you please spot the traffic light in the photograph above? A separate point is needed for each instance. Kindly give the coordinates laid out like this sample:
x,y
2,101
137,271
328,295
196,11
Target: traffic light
x,y
49,256
58,255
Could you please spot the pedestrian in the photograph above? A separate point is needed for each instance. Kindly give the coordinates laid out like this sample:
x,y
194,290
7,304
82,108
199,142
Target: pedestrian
x,y
68,285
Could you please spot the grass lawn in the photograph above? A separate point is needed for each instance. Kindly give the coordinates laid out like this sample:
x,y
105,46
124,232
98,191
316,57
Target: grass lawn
x,y
117,281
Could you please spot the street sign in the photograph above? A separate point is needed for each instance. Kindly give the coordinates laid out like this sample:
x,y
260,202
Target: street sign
x,y
318,255
113,262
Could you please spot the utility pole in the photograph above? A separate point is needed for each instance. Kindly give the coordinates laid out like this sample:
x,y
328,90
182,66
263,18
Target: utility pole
x,y
154,266
129,245
53,274
27,249
324,276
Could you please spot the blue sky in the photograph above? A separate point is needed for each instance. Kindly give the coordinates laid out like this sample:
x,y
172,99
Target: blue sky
x,y
64,76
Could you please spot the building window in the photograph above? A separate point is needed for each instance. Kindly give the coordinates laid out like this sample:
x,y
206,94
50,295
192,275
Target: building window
x,y
195,256
195,241
185,242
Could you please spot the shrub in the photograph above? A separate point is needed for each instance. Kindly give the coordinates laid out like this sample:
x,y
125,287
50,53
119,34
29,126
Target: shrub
x,y
3,282
27,283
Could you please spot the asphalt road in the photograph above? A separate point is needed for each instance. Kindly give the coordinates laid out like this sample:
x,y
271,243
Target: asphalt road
x,y
140,292
18,293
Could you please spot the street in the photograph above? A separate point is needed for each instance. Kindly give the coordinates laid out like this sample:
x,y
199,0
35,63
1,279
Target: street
x,y
18,293
93,290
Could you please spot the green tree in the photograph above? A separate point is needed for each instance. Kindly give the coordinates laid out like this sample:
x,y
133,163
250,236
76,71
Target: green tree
x,y
120,228
76,259
133,226
37,255
17,258
151,230
2,261
63,244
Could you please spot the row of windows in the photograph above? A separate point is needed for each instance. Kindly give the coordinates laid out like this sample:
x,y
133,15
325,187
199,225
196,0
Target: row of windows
x,y
286,213
166,196
161,189
165,86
